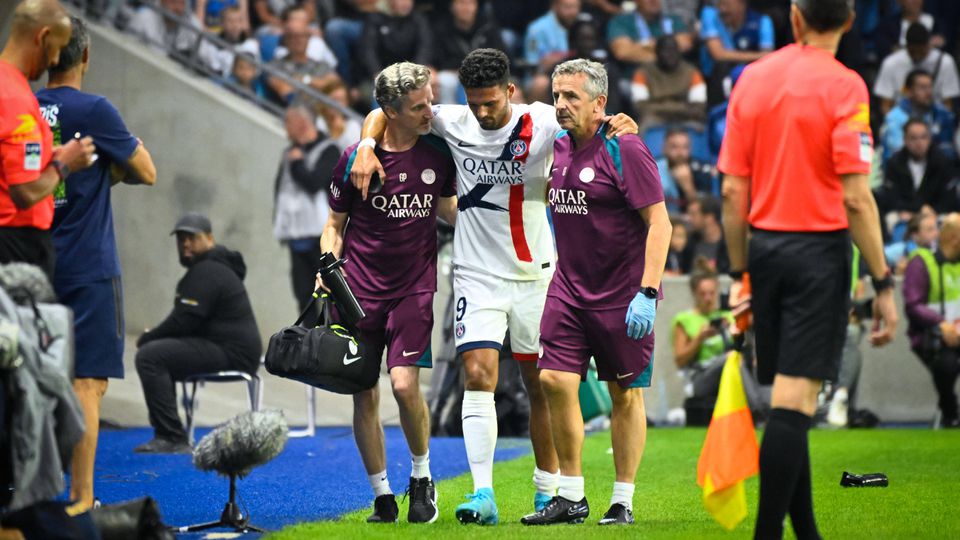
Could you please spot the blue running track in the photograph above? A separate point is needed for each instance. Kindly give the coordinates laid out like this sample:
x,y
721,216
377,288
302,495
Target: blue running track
x,y
314,478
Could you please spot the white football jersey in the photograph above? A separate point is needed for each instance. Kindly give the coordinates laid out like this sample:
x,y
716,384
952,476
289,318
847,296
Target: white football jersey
x,y
502,176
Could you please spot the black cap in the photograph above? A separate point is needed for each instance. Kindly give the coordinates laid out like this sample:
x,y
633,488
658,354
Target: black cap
x,y
193,222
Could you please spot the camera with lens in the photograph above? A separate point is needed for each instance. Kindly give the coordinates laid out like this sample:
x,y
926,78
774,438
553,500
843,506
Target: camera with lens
x,y
717,323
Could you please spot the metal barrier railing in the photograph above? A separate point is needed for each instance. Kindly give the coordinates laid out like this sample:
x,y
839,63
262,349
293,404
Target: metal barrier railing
x,y
191,58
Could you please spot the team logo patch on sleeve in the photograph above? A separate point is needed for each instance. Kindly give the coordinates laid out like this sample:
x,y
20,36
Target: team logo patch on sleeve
x,y
32,156
866,148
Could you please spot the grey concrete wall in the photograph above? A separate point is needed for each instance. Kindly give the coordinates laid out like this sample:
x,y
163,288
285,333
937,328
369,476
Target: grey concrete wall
x,y
6,16
893,384
214,153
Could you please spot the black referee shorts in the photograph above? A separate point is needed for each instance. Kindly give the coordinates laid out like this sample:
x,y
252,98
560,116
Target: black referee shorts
x,y
801,302
29,245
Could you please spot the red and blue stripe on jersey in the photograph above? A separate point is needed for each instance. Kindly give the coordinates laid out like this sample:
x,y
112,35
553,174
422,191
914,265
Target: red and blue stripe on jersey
x,y
518,149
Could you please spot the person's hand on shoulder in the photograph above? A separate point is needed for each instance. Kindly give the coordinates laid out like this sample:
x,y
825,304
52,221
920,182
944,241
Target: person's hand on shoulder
x,y
620,124
365,163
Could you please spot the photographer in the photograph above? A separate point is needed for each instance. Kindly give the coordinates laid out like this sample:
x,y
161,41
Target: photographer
x,y
700,341
931,296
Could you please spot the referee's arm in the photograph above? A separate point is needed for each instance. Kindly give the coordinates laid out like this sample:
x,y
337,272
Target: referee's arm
x,y
864,223
736,208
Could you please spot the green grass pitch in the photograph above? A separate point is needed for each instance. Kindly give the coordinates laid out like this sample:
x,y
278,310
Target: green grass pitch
x,y
922,501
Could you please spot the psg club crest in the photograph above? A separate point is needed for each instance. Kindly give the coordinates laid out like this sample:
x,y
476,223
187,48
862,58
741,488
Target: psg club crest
x,y
428,176
460,329
518,148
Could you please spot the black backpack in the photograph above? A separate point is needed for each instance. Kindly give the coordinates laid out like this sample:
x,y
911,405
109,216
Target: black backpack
x,y
327,356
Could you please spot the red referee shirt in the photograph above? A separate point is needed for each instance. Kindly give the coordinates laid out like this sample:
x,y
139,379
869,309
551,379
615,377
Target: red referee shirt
x,y
26,147
798,120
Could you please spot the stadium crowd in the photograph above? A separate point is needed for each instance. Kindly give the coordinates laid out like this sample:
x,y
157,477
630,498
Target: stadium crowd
x,y
672,66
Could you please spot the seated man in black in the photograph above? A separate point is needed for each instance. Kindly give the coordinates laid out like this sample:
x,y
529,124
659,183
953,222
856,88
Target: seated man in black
x,y
211,328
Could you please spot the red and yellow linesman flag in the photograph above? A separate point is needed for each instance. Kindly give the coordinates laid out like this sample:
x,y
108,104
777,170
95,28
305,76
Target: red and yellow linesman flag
x,y
730,453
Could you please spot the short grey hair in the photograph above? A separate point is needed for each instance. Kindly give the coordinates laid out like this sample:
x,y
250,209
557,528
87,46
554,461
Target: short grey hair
x,y
303,109
595,72
72,53
397,80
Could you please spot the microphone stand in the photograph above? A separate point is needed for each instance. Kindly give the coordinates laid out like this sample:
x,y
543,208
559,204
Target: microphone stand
x,y
231,517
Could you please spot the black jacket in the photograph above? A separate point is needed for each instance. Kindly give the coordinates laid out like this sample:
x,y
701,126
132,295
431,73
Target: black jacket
x,y
451,45
387,40
212,303
934,190
689,254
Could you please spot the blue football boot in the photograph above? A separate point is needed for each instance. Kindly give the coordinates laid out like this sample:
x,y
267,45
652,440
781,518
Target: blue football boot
x,y
480,509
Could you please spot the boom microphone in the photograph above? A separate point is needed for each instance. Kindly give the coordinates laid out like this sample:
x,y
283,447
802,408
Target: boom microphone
x,y
25,282
242,443
233,450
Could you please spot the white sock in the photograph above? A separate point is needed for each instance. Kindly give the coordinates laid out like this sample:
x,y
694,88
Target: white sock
x,y
379,483
421,466
623,494
571,488
479,416
545,482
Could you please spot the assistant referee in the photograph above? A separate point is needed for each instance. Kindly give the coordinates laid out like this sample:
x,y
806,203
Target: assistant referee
x,y
795,156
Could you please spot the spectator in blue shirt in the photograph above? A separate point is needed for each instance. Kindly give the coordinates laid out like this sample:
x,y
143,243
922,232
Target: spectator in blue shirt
x,y
918,102
733,34
632,36
87,275
210,12
546,42
717,117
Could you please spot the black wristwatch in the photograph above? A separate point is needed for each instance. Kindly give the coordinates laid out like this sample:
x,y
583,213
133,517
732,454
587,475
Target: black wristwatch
x,y
63,170
650,292
736,275
884,283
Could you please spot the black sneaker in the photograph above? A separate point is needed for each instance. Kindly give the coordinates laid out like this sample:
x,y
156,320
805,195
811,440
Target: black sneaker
x,y
618,514
159,445
559,510
384,509
423,501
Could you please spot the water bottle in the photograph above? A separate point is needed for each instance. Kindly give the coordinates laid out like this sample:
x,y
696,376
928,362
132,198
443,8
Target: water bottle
x,y
343,297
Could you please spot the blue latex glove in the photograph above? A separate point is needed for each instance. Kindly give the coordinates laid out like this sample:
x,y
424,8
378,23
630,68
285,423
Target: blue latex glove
x,y
640,316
